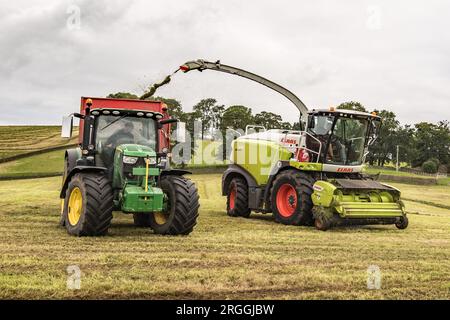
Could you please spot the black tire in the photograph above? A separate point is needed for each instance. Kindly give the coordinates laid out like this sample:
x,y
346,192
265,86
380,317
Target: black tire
x,y
62,220
181,212
402,223
142,220
322,224
237,198
97,205
301,185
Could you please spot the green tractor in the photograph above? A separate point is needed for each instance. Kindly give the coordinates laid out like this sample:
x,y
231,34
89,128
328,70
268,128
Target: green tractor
x,y
122,163
309,176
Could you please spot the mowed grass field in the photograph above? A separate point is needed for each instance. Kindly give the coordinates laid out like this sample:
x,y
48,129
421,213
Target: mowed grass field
x,y
224,258
15,140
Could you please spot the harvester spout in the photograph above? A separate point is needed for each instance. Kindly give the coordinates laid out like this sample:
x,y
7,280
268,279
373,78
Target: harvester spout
x,y
201,65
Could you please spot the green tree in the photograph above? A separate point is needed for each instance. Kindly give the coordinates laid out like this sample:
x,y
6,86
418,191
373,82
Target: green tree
x,y
122,95
174,106
404,138
209,113
268,119
386,143
286,125
236,117
352,105
432,141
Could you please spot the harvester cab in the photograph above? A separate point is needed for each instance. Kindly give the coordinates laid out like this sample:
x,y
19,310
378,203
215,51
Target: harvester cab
x,y
309,176
122,163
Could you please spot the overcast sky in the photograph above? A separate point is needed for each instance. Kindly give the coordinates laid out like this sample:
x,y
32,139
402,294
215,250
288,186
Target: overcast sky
x,y
385,54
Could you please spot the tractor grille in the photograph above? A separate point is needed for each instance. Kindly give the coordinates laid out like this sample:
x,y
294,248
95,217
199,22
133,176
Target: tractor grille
x,y
128,168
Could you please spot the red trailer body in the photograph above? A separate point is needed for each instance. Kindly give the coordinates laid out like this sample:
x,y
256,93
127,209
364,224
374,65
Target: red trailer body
x,y
129,104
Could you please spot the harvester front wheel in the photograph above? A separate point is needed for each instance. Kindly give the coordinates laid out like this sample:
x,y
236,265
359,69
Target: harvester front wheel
x,y
322,224
88,205
291,198
402,223
180,212
237,198
142,220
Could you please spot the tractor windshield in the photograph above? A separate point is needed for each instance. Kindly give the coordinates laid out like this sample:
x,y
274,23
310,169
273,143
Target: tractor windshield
x,y
112,131
347,143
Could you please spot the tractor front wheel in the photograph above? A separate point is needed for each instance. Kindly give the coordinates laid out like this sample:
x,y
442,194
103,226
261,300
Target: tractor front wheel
x,y
237,198
88,205
291,198
180,212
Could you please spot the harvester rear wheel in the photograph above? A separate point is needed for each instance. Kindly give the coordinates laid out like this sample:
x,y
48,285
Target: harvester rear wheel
x,y
237,198
88,205
142,220
181,207
291,198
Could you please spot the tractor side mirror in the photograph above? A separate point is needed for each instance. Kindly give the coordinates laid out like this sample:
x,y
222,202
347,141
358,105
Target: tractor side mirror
x,y
67,126
166,121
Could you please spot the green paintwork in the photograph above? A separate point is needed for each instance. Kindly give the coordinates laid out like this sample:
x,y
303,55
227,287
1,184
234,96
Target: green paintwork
x,y
361,204
135,150
258,157
141,171
306,166
135,199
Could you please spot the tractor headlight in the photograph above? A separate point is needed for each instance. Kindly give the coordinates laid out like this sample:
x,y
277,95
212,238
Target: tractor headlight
x,y
151,161
129,160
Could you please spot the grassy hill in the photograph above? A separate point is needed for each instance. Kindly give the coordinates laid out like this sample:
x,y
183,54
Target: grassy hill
x,y
17,140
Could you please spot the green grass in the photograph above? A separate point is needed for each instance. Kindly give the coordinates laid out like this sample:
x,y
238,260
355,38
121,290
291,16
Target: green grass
x,y
224,257
371,170
49,162
15,140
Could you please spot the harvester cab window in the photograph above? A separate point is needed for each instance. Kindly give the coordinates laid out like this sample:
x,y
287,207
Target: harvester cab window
x,y
347,142
319,126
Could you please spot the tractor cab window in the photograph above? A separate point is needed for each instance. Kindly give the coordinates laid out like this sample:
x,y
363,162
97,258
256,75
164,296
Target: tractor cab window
x,y
112,131
347,142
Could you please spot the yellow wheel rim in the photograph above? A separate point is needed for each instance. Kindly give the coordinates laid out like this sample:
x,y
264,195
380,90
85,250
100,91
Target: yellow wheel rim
x,y
75,206
160,218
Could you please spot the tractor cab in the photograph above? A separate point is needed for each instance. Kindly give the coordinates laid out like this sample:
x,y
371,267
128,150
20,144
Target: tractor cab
x,y
343,135
113,131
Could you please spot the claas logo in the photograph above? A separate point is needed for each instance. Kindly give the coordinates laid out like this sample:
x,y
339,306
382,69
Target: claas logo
x,y
290,141
345,170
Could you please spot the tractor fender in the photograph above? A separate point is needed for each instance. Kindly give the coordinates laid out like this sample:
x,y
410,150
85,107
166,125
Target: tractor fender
x,y
71,156
174,172
232,171
76,170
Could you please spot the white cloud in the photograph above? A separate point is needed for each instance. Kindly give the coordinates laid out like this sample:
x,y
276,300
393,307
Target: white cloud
x,y
326,52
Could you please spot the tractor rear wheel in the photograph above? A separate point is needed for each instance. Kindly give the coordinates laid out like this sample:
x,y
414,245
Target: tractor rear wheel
x,y
237,198
180,212
291,198
141,220
88,205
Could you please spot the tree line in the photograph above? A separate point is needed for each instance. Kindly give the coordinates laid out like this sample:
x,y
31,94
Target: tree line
x,y
423,144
